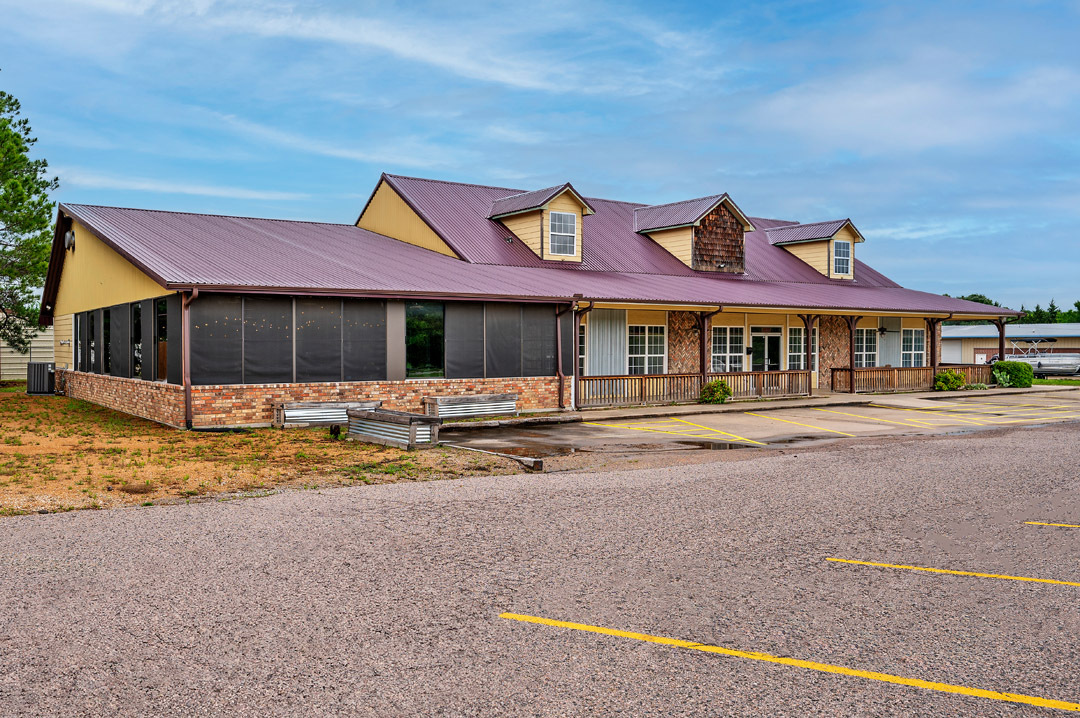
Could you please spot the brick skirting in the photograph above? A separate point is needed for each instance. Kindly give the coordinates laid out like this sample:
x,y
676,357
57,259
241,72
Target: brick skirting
x,y
248,404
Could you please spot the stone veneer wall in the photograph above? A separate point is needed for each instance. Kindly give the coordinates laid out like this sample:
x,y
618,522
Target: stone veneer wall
x,y
683,348
834,348
243,404
719,240
157,401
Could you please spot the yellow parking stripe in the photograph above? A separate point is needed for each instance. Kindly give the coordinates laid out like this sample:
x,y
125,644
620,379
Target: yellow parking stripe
x,y
696,435
956,573
925,411
809,426
873,418
1040,523
799,663
709,428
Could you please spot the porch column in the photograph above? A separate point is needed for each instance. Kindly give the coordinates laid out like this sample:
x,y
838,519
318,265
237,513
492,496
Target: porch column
x,y
578,314
1000,322
931,329
808,321
703,346
852,321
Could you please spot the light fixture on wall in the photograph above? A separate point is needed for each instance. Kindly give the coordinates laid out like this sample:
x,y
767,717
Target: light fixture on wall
x,y
882,331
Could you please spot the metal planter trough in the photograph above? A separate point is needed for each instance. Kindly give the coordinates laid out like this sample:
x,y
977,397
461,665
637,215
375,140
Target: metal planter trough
x,y
394,428
298,414
471,405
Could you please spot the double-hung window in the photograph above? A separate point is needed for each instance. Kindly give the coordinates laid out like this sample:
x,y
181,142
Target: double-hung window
x,y
841,257
563,231
797,348
728,348
913,347
646,349
865,347
581,350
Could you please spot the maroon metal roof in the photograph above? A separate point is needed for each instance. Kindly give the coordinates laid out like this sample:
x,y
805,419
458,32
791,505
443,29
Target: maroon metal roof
x,y
527,201
806,232
183,250
675,214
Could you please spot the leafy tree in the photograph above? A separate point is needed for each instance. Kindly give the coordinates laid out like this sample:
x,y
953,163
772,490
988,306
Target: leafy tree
x,y
25,226
1071,316
980,298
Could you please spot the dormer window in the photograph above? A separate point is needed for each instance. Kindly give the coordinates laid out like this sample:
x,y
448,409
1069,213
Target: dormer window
x,y
563,232
841,257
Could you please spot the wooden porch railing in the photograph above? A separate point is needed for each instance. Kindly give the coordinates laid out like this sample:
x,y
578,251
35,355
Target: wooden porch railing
x,y
642,389
875,380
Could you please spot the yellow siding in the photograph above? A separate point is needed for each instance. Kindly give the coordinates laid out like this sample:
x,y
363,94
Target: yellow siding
x,y
62,332
679,242
527,228
868,323
913,323
95,276
728,319
846,232
563,203
816,254
646,316
389,215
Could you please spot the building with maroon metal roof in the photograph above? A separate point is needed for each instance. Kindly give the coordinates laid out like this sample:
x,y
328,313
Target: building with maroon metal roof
x,y
444,288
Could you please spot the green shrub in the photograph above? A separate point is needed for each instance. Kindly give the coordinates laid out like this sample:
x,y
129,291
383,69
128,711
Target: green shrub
x,y
976,386
1015,373
715,392
949,380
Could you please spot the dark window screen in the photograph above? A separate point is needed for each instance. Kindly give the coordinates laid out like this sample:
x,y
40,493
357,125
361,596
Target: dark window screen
x,y
267,340
120,339
364,339
503,345
175,341
95,341
136,339
84,344
318,339
106,341
464,340
216,352
567,325
537,340
148,341
424,339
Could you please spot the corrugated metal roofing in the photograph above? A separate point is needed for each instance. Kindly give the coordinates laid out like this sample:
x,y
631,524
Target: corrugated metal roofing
x,y
805,232
1012,331
215,252
674,214
524,201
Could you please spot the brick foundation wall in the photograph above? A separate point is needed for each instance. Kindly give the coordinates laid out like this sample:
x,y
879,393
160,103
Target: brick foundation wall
x,y
157,401
683,348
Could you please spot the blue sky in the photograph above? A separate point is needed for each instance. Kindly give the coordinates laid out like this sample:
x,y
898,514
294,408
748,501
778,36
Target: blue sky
x,y
947,131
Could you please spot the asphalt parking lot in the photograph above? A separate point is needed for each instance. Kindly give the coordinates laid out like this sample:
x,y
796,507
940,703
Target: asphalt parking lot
x,y
762,427
930,575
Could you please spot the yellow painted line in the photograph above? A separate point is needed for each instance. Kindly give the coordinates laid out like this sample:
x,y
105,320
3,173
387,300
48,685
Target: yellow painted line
x,y
956,573
799,663
709,428
874,418
809,426
932,413
1033,419
677,433
1040,523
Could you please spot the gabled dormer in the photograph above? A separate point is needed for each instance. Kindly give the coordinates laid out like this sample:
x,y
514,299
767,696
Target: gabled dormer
x,y
705,234
828,247
548,221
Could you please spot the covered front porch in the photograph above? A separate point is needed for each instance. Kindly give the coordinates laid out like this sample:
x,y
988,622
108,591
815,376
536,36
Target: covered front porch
x,y
648,354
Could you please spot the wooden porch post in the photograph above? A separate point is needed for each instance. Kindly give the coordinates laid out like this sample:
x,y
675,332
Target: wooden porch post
x,y
931,328
578,314
1001,338
808,321
703,352
851,322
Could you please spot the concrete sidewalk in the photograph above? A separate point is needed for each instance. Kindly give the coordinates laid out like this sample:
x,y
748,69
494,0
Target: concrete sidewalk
x,y
818,400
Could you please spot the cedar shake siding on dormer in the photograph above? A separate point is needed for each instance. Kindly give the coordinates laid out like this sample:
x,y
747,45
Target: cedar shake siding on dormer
x,y
719,245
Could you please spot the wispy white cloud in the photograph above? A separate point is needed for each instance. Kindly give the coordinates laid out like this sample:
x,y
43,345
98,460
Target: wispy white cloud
x,y
77,177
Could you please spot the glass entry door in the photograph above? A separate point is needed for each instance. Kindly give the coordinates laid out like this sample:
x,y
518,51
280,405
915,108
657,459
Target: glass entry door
x,y
765,343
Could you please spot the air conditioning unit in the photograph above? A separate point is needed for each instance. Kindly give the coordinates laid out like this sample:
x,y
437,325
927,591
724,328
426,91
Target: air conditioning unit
x,y
40,378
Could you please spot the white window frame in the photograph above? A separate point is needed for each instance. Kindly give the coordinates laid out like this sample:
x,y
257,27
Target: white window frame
x,y
722,361
837,243
552,234
917,352
649,354
801,351
865,357
582,347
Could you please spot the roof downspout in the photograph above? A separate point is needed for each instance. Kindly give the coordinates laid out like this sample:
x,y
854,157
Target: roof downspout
x,y
185,333
559,370
578,314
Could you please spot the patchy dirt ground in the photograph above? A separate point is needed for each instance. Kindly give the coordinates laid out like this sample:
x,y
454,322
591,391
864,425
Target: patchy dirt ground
x,y
59,454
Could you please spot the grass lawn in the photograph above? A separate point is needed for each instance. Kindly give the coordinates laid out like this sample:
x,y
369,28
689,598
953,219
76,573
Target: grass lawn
x,y
59,454
1059,382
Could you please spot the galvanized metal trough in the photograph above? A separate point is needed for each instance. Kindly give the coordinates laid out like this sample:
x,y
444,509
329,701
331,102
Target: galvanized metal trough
x,y
394,428
290,415
471,405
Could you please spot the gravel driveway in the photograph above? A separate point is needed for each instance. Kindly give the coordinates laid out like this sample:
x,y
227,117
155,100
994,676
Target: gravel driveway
x,y
384,600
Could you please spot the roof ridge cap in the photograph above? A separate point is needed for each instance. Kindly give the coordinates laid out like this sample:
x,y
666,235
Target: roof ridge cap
x,y
460,184
203,214
807,224
684,201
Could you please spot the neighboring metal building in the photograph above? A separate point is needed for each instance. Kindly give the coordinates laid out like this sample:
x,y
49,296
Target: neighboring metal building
x,y
978,343
13,364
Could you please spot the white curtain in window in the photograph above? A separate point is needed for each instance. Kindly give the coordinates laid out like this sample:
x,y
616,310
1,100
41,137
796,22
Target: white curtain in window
x,y
606,342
